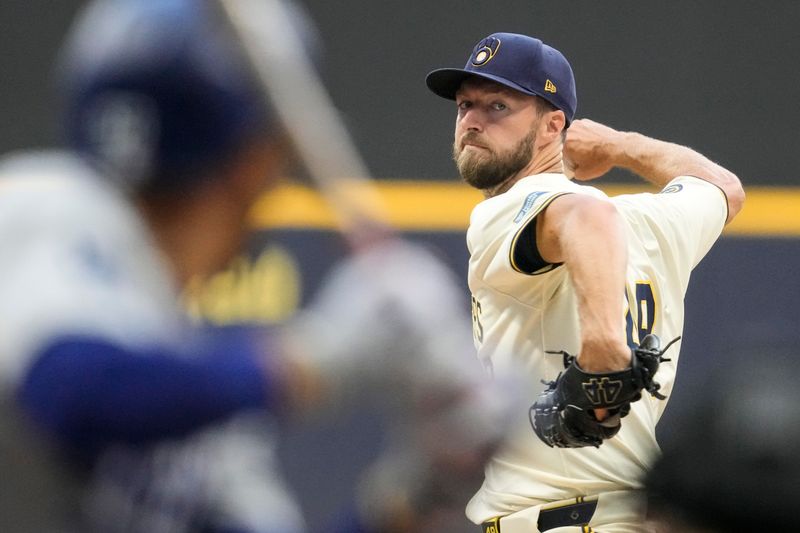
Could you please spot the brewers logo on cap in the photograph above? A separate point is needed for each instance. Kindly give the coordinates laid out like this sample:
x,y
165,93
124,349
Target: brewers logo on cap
x,y
485,51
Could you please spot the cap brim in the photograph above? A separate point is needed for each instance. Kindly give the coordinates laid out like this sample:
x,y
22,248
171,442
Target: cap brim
x,y
445,82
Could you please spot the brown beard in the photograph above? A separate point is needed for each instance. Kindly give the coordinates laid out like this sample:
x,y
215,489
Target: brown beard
x,y
487,171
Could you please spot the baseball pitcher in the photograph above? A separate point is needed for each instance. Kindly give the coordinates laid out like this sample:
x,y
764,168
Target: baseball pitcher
x,y
585,292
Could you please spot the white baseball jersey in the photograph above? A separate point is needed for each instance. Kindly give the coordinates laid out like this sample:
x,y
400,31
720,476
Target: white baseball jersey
x,y
517,316
78,260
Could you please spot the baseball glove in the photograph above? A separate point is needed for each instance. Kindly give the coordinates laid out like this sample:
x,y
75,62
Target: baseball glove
x,y
563,415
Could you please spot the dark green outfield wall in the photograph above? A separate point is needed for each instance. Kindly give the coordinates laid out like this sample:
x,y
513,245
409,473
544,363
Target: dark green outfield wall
x,y
719,75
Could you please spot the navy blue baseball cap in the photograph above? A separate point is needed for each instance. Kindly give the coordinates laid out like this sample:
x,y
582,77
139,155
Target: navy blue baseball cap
x,y
517,61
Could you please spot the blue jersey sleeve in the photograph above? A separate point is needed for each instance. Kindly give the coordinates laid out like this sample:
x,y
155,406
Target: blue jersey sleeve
x,y
89,392
349,520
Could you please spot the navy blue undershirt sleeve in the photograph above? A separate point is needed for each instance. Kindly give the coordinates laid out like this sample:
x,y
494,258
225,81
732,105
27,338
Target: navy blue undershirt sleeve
x,y
526,252
90,392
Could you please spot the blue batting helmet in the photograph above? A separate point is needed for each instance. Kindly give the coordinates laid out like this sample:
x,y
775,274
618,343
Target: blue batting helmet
x,y
157,92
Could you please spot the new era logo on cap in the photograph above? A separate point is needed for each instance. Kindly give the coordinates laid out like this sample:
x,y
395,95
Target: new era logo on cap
x,y
517,61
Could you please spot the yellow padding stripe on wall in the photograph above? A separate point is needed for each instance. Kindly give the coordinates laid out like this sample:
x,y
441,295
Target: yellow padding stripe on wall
x,y
769,212
445,206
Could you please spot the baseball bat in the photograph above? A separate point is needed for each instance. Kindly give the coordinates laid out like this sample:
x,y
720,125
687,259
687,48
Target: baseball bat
x,y
267,34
